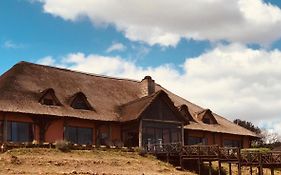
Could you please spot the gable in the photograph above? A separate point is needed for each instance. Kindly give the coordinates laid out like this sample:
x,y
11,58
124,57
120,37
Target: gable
x,y
49,98
160,109
207,117
80,102
185,112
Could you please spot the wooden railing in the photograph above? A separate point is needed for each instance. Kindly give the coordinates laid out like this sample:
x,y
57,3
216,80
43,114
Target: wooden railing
x,y
206,152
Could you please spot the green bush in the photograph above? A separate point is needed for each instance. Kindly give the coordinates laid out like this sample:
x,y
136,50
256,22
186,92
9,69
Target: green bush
x,y
63,145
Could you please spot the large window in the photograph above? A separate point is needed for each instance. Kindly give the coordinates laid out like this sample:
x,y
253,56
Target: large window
x,y
231,143
79,135
164,135
19,132
197,140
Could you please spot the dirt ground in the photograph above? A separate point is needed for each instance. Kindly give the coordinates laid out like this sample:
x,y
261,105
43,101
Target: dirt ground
x,y
97,162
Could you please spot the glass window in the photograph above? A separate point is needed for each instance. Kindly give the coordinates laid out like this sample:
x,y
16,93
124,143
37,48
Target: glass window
x,y
158,135
197,140
231,143
19,132
166,136
176,135
79,135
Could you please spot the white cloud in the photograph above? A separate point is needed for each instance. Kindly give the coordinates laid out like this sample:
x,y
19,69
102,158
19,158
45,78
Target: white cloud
x,y
48,60
116,47
12,45
165,22
232,80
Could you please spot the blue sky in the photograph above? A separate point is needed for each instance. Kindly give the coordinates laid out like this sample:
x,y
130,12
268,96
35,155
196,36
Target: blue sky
x,y
37,34
222,55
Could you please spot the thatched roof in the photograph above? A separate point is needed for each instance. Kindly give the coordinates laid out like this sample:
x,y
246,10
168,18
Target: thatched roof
x,y
22,86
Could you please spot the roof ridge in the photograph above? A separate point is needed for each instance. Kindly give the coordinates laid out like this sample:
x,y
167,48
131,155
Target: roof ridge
x,y
76,71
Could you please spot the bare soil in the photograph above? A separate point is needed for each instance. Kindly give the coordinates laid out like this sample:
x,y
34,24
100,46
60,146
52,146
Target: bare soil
x,y
97,162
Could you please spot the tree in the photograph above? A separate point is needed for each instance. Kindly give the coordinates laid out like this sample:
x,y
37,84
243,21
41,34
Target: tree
x,y
267,139
248,125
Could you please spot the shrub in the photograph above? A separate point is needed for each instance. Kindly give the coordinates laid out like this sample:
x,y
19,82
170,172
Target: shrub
x,y
142,152
118,144
63,145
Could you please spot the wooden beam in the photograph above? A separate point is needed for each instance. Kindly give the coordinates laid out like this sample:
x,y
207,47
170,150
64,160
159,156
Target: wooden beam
x,y
251,170
199,166
162,121
272,171
260,164
110,133
219,162
239,161
181,163
210,168
182,134
229,167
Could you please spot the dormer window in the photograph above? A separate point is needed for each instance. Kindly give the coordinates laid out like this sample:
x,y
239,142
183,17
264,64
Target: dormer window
x,y
206,120
80,102
185,112
49,98
207,117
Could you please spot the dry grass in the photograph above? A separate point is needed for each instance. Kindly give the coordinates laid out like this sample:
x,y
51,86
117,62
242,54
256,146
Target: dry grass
x,y
52,161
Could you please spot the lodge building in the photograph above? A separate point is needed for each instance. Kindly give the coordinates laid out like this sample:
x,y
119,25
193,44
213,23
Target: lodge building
x,y
47,104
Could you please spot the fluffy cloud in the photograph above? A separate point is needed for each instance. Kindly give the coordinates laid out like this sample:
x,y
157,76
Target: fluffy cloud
x,y
232,80
165,22
116,47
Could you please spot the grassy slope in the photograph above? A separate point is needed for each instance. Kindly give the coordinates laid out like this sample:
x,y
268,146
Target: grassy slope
x,y
51,161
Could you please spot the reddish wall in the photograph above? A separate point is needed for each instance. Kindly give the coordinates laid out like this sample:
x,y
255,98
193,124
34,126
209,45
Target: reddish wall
x,y
18,117
115,132
55,131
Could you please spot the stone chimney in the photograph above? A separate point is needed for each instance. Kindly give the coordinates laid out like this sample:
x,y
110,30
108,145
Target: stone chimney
x,y
147,86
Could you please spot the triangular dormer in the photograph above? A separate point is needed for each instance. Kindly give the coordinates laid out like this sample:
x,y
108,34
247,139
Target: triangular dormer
x,y
206,116
49,98
185,112
79,101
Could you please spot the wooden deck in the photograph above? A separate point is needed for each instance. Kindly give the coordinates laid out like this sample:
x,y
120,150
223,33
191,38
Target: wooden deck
x,y
210,153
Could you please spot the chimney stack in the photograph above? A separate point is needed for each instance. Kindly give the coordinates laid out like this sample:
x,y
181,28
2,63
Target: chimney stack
x,y
147,86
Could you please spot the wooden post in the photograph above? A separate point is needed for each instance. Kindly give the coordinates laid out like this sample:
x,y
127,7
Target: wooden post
x,y
251,170
199,166
239,161
219,162
210,168
272,171
181,163
140,134
110,133
260,165
182,134
239,168
229,167
168,157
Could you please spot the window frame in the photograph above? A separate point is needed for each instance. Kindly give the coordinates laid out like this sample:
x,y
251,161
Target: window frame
x,y
10,131
77,130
